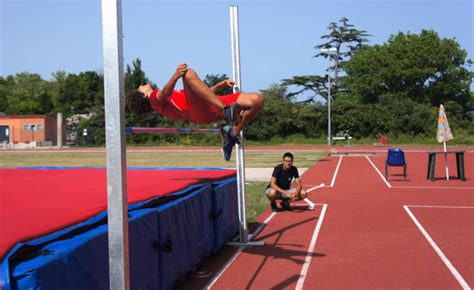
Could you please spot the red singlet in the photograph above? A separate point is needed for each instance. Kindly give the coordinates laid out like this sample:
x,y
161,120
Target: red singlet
x,y
196,110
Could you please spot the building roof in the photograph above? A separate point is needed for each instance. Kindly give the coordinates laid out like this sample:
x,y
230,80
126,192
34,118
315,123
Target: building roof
x,y
25,116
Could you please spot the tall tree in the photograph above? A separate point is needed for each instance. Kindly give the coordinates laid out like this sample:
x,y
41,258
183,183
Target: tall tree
x,y
346,40
27,93
6,84
422,67
135,76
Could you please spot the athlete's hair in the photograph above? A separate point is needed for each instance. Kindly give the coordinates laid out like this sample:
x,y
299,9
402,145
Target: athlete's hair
x,y
137,103
288,154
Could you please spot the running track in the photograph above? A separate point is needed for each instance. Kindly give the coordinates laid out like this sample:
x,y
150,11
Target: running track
x,y
365,232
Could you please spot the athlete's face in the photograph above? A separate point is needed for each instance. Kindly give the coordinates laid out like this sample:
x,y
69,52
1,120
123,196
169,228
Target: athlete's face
x,y
287,162
145,89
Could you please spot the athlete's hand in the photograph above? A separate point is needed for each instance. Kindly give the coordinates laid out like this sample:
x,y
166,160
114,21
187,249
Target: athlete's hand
x,y
228,83
181,70
292,196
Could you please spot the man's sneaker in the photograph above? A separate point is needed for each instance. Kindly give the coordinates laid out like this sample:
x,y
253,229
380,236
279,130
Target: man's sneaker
x,y
274,206
228,141
232,113
286,205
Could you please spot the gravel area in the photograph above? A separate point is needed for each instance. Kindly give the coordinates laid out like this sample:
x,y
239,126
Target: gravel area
x,y
263,174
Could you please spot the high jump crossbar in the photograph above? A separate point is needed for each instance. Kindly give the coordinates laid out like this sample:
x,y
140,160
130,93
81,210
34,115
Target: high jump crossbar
x,y
142,130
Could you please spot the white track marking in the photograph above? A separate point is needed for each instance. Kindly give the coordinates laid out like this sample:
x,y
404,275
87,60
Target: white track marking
x,y
440,253
312,246
311,205
433,187
381,175
316,187
442,206
260,228
335,172
237,253
312,185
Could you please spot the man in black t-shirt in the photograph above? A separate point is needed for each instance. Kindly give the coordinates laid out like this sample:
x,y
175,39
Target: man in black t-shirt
x,y
279,187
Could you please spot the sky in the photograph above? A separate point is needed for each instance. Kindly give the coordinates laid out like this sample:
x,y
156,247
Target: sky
x,y
277,37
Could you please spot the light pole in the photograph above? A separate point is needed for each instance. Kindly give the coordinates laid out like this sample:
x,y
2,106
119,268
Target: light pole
x,y
33,135
329,51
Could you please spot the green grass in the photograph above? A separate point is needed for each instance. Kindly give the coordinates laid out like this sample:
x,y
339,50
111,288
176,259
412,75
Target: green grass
x,y
255,199
150,158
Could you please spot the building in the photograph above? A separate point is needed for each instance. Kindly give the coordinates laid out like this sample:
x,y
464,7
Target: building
x,y
34,130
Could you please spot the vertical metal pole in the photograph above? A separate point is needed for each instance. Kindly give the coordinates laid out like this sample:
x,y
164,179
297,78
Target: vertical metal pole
x,y
329,109
119,274
59,136
240,160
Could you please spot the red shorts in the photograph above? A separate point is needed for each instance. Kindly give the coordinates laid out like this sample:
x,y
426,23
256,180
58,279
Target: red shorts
x,y
205,113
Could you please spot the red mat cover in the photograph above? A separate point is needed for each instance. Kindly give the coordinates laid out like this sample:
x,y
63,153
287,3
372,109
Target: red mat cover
x,y
35,202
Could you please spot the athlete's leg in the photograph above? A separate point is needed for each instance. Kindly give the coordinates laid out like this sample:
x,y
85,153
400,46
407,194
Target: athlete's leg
x,y
271,194
195,87
252,103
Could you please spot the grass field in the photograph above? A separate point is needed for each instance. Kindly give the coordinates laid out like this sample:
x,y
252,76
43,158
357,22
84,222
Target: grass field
x,y
256,201
253,159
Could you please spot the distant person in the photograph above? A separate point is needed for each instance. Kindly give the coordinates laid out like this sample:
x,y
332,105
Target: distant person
x,y
198,103
280,183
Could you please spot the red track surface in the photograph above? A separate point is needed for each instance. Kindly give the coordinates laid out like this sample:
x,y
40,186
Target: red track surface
x,y
367,238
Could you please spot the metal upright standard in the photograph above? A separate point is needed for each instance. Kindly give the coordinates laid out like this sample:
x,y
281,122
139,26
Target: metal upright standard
x,y
240,160
119,274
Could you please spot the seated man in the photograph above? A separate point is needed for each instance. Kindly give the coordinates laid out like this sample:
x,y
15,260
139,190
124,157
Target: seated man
x,y
199,104
279,187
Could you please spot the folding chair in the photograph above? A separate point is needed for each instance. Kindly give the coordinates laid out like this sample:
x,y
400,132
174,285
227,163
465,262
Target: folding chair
x,y
396,157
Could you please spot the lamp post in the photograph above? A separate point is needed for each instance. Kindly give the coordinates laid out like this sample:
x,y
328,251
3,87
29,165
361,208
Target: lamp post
x,y
329,51
33,135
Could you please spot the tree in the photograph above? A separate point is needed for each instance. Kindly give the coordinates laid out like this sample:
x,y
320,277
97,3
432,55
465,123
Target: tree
x,y
211,80
422,67
6,84
136,76
26,93
346,40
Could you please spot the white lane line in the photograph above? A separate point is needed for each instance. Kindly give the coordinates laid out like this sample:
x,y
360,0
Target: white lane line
x,y
433,187
222,270
335,172
376,169
440,253
316,187
309,255
310,185
237,253
311,205
260,228
442,206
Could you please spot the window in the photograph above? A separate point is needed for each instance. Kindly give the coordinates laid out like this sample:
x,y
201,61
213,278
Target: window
x,y
35,127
